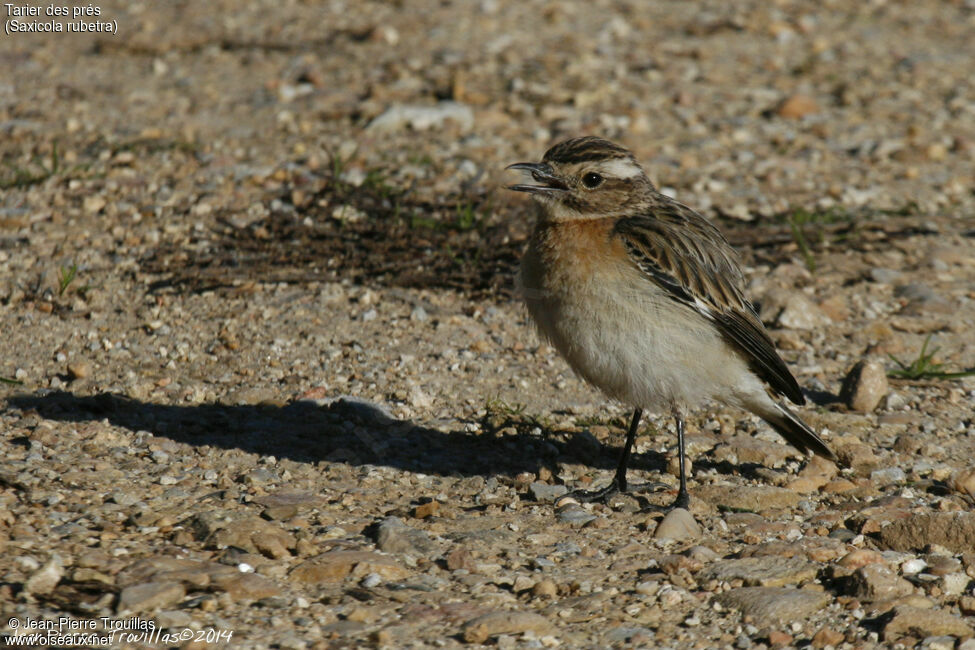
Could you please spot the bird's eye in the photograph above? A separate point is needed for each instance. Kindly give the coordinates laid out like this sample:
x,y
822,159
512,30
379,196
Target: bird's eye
x,y
592,180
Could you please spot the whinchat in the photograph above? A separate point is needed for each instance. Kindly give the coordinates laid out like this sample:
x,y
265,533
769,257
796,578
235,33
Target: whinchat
x,y
645,299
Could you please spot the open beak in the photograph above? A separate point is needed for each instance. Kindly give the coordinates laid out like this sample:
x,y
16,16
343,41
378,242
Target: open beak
x,y
549,183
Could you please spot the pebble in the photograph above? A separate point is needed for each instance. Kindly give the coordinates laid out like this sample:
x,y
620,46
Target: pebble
x,y
885,276
888,476
648,588
172,619
574,515
797,106
480,629
94,204
371,581
254,535
864,386
545,588
545,492
800,313
45,579
826,636
461,558
423,118
393,536
940,565
245,587
79,370
260,476
678,524
954,584
913,566
425,510
149,596
963,482
922,300
348,214
860,558
857,456
876,582
281,506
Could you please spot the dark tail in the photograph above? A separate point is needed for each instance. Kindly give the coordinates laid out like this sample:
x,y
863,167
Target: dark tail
x,y
797,432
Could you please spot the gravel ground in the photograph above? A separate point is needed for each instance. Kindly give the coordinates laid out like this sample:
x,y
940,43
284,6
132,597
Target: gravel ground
x,y
265,376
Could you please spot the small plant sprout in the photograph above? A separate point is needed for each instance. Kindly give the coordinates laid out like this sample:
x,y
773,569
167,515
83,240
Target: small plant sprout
x,y
925,367
467,216
66,275
795,224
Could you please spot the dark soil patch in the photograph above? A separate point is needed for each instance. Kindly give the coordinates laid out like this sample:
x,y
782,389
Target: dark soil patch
x,y
457,244
397,242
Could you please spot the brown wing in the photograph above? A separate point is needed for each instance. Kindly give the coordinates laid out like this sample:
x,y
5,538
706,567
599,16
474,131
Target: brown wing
x,y
683,253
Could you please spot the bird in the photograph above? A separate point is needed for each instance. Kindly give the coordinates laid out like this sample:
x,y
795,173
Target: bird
x,y
645,300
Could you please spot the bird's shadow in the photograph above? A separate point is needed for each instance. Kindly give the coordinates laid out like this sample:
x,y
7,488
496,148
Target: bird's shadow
x,y
347,430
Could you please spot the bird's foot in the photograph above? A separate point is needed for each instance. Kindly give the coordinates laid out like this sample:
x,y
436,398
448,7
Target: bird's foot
x,y
683,500
603,495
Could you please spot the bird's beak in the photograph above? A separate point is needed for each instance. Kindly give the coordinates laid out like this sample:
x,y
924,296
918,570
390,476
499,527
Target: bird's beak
x,y
541,172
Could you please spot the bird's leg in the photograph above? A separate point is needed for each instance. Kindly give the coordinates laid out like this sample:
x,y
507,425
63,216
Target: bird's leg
x,y
619,484
620,478
683,499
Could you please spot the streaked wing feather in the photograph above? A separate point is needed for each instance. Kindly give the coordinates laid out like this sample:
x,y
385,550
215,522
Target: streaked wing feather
x,y
683,253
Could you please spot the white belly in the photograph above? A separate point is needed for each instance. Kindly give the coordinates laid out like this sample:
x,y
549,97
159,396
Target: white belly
x,y
637,344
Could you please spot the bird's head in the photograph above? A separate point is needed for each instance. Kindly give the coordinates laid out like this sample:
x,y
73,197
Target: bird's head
x,y
584,178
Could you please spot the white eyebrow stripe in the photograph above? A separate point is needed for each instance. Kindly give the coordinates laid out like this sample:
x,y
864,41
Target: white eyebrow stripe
x,y
621,168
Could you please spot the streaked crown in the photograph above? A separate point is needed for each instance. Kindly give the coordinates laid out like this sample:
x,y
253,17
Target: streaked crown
x,y
585,149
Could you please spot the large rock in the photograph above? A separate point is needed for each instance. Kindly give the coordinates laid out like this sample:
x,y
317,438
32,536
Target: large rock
x,y
254,535
762,571
953,530
480,629
245,586
747,497
149,596
285,505
875,582
743,449
864,386
773,605
335,566
920,623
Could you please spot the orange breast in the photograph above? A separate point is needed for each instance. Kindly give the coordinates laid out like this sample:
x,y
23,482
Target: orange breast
x,y
575,251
